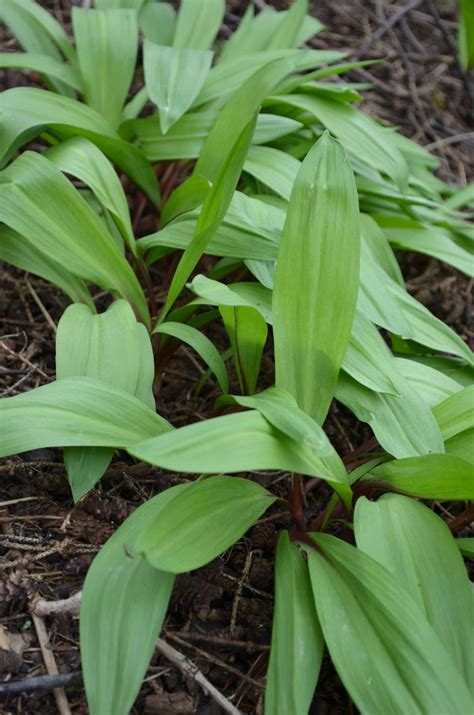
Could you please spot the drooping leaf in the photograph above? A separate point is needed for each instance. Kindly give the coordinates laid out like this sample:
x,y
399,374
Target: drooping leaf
x,y
379,638
82,159
201,522
201,344
18,251
455,414
174,78
44,64
247,331
297,642
107,44
416,546
123,606
403,423
76,412
312,325
33,197
215,445
27,111
432,476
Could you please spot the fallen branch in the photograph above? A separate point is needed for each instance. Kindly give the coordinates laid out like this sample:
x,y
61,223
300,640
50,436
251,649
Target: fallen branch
x,y
41,682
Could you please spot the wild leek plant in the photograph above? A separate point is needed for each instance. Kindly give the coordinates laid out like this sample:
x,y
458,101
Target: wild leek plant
x,y
274,171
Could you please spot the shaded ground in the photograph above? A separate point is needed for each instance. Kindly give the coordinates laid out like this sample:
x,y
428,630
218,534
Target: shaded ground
x,y
220,616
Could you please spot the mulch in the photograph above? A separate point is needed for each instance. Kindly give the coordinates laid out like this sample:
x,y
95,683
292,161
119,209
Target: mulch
x,y
220,616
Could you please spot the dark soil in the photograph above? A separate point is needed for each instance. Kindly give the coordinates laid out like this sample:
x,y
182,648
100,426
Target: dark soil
x,y
220,616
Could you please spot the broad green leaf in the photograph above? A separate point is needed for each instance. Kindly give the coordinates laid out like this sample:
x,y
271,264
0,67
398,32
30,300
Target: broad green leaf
x,y
15,249
456,413
123,606
286,33
367,358
33,197
379,638
117,4
215,445
212,213
247,331
27,111
360,135
376,244
237,294
461,445
280,409
249,229
201,522
198,23
87,345
297,641
82,159
431,384
312,325
403,423
186,138
44,64
186,197
76,412
411,235
107,44
158,22
416,546
274,168
432,476
174,78
201,344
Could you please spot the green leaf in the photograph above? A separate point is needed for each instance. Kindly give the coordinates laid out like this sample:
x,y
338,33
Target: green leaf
x,y
186,138
247,331
286,33
15,249
433,385
379,638
174,78
82,159
312,324
466,546
432,476
186,197
201,344
201,522
33,198
297,641
367,359
403,423
117,4
198,24
411,235
461,445
417,547
360,135
274,168
123,606
212,213
158,22
107,44
455,414
44,64
215,445
466,34
27,111
87,345
76,412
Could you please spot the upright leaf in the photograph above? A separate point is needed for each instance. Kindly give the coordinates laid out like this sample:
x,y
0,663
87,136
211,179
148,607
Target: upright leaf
x,y
388,656
174,78
198,24
123,606
317,278
297,640
417,547
247,331
107,44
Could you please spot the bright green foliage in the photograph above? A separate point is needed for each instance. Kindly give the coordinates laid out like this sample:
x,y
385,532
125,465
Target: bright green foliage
x,y
312,324
283,206
297,640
